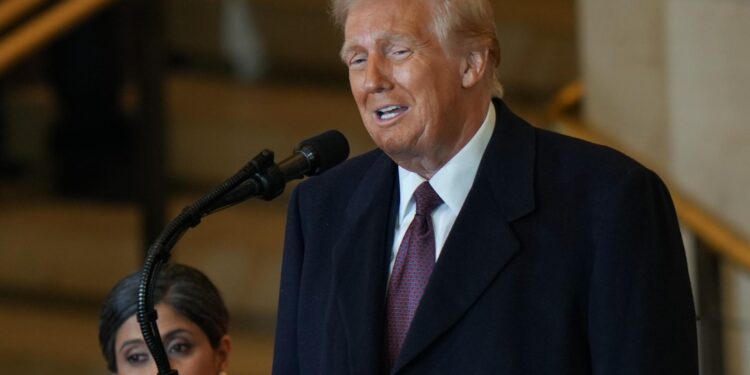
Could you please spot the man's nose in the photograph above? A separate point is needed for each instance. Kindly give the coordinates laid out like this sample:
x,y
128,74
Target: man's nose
x,y
377,76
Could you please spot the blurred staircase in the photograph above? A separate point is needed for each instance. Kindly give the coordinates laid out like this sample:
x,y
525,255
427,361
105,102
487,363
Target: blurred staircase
x,y
59,257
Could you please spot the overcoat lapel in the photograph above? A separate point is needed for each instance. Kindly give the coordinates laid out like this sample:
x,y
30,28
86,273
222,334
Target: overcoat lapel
x,y
481,242
361,266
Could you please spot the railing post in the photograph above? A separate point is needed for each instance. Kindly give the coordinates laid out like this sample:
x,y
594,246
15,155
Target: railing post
x,y
711,328
146,27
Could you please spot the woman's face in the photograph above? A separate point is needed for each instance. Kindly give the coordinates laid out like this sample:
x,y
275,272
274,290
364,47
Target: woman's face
x,y
187,346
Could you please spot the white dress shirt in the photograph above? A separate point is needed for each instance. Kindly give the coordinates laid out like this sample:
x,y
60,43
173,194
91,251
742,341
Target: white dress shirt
x,y
452,183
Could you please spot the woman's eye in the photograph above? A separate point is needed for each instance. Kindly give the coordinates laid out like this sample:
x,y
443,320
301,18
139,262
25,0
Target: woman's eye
x,y
180,348
137,358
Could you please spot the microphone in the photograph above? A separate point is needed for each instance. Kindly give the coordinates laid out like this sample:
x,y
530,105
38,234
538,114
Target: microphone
x,y
260,177
315,155
311,157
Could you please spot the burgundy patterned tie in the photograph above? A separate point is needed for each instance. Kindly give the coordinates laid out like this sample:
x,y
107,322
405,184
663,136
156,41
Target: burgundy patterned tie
x,y
411,271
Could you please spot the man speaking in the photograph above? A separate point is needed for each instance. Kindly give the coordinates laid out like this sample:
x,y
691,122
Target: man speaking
x,y
470,242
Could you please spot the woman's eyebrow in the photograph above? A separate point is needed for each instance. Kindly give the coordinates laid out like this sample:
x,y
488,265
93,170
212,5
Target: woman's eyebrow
x,y
165,337
169,335
131,343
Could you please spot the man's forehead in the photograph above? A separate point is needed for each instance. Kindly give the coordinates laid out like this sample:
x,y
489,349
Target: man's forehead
x,y
387,17
380,37
373,23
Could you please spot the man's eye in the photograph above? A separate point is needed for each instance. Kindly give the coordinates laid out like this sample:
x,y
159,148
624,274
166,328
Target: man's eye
x,y
137,358
401,52
356,61
180,348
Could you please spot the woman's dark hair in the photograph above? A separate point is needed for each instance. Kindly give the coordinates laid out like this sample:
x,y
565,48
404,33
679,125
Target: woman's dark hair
x,y
185,289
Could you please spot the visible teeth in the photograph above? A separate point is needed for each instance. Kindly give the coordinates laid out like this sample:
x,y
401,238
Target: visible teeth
x,y
389,112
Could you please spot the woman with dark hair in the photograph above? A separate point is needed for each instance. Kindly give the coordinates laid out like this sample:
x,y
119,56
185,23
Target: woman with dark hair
x,y
192,322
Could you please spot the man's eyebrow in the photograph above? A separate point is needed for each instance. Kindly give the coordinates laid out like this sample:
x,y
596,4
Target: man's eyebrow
x,y
388,38
400,38
346,49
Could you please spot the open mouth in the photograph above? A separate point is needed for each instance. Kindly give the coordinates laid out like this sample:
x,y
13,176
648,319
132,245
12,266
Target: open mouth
x,y
390,112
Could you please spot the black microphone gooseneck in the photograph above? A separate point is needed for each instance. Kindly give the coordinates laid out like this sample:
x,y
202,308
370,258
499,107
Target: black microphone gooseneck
x,y
260,177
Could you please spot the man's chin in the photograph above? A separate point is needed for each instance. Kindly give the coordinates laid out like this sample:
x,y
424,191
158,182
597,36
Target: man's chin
x,y
400,153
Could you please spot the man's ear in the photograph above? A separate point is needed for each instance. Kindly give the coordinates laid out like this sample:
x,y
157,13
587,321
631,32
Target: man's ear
x,y
473,66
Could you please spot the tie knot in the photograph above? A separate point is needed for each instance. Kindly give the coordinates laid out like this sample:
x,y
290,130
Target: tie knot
x,y
427,199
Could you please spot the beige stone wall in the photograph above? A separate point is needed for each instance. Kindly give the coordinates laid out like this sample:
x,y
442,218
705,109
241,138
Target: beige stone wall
x,y
708,78
669,80
623,66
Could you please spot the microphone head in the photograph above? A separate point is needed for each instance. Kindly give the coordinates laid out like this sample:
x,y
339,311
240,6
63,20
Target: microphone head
x,y
324,151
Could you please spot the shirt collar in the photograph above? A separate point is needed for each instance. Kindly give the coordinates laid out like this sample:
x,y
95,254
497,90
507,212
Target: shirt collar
x,y
454,180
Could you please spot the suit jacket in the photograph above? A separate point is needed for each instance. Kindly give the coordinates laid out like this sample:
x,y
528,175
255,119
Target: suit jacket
x,y
566,258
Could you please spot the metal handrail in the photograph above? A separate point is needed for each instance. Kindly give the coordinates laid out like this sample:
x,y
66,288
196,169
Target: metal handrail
x,y
721,239
13,10
43,28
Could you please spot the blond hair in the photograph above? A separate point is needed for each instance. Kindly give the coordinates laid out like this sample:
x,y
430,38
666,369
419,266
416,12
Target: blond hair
x,y
458,24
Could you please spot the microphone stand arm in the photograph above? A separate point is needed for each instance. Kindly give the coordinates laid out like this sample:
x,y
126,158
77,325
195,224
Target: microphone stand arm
x,y
250,181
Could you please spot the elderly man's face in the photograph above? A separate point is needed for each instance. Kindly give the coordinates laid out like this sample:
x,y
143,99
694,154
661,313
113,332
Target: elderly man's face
x,y
404,82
